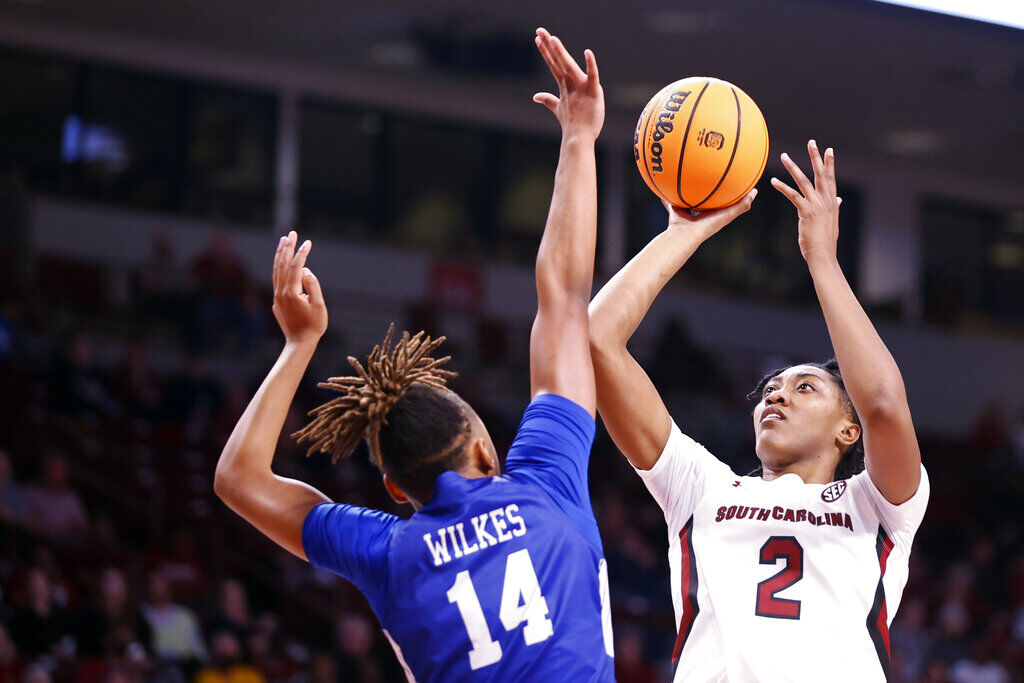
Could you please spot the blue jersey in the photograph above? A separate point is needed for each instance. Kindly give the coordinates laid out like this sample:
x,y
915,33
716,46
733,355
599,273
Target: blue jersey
x,y
500,578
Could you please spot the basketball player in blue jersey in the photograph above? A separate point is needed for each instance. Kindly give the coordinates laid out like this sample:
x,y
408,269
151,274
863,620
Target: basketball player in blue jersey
x,y
495,576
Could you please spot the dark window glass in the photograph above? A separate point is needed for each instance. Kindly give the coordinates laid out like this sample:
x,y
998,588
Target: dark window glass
x,y
756,256
525,176
435,183
38,95
230,156
340,169
123,142
973,264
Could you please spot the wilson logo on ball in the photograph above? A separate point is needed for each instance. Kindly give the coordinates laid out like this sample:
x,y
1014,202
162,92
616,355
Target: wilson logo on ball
x,y
833,491
664,126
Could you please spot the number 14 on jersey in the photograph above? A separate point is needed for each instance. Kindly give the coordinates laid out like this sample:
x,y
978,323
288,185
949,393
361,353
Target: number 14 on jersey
x,y
521,600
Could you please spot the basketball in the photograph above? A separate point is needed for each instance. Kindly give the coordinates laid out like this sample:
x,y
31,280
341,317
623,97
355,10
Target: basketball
x,y
701,143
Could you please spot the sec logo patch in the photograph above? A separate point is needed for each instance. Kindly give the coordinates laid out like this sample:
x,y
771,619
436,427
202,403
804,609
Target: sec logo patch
x,y
833,491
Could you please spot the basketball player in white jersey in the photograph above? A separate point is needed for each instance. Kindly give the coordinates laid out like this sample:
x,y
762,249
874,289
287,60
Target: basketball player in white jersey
x,y
793,574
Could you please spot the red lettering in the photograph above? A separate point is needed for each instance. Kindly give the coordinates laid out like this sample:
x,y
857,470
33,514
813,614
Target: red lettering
x,y
801,515
777,512
790,517
731,512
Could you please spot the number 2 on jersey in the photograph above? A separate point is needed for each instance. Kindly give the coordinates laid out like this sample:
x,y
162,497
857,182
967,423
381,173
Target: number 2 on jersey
x,y
521,601
787,548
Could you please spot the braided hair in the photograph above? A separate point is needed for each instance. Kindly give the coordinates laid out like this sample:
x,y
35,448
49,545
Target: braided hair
x,y
851,461
400,404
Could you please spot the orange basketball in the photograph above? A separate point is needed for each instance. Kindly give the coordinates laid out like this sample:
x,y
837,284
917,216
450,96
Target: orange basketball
x,y
701,143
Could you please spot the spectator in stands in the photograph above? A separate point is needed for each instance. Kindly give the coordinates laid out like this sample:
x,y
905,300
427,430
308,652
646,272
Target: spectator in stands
x,y
135,384
12,503
79,384
180,563
41,627
191,393
227,664
177,638
53,508
354,661
112,626
909,638
630,664
162,287
10,665
222,285
232,614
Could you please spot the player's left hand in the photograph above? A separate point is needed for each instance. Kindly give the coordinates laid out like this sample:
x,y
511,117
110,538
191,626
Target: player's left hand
x,y
817,205
580,102
298,300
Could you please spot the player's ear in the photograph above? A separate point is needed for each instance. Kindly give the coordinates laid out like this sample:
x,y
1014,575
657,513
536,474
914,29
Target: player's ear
x,y
482,458
396,493
849,432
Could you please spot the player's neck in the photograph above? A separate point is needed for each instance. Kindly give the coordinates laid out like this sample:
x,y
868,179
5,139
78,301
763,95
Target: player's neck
x,y
811,470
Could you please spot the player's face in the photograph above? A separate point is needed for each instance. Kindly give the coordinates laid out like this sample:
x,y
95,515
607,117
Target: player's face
x,y
800,414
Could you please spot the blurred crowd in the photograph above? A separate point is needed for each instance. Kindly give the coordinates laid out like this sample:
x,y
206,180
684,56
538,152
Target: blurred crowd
x,y
119,564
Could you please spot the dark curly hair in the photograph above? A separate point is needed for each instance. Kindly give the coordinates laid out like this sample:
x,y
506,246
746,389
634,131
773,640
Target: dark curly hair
x,y
399,403
851,462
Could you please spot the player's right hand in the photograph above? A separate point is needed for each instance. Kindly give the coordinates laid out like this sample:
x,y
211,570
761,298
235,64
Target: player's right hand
x,y
580,102
298,300
707,223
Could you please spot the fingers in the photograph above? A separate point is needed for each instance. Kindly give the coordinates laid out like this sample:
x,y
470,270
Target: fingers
x,y
563,66
817,165
277,263
544,47
791,194
547,99
830,172
742,206
594,78
801,180
294,283
312,286
282,259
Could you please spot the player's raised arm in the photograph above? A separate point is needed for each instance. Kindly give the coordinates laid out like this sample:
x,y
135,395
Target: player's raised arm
x,y
630,406
244,480
872,379
559,349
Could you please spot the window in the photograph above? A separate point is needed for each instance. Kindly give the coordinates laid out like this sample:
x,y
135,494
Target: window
x,y
341,164
435,179
525,177
38,95
123,143
973,264
230,157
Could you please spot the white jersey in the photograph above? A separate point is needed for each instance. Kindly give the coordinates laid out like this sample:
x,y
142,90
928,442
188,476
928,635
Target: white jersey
x,y
780,580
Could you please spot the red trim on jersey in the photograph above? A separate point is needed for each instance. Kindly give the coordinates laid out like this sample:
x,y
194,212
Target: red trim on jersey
x,y
878,617
687,588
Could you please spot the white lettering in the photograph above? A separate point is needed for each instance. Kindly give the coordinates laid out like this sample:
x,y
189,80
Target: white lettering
x,y
439,551
466,549
500,525
482,536
510,512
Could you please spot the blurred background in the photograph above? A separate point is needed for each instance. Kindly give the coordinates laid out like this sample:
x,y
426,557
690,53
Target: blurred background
x,y
152,153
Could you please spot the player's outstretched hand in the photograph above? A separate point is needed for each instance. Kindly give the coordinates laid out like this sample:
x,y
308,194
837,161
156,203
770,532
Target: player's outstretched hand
x,y
580,102
817,205
707,223
298,300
